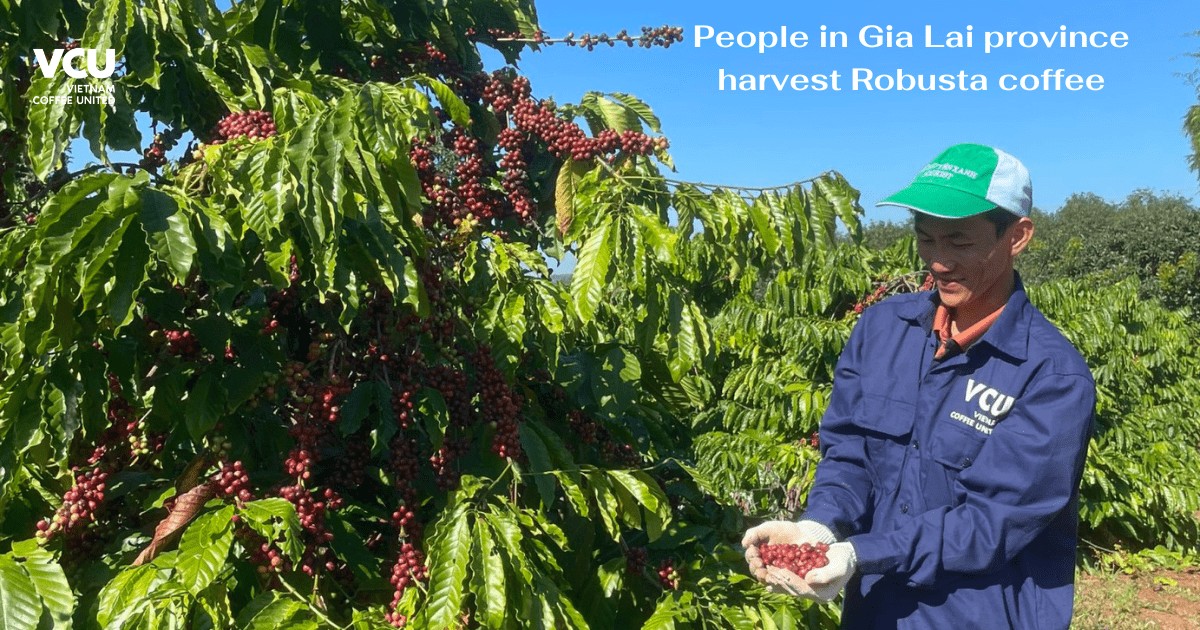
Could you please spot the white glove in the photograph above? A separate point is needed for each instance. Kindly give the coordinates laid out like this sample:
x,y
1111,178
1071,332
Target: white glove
x,y
781,533
821,584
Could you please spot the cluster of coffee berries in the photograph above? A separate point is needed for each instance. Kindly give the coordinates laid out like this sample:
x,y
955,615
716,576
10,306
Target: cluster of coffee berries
x,y
592,432
443,464
444,206
307,431
474,198
435,288
232,482
927,284
424,160
382,69
295,375
427,59
124,438
181,343
141,445
403,464
463,194
404,468
504,90
662,36
668,577
563,138
299,463
886,287
500,404
584,426
284,303
813,440
799,559
432,55
409,568
315,408
254,124
154,156
404,519
311,507
515,165
266,556
620,453
318,348
78,508
875,296
327,406
451,383
350,471
502,35
402,406
635,560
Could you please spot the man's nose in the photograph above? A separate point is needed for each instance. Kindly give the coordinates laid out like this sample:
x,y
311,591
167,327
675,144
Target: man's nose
x,y
941,264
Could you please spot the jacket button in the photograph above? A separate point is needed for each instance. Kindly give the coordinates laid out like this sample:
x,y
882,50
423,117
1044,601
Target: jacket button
x,y
916,444
904,508
966,462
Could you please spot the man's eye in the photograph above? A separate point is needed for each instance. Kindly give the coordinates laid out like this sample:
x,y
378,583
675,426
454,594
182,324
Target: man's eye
x,y
961,245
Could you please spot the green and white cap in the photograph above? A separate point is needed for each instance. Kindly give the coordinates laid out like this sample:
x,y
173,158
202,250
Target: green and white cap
x,y
966,180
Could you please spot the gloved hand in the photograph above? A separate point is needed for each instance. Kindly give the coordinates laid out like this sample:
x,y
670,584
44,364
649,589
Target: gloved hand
x,y
821,584
781,533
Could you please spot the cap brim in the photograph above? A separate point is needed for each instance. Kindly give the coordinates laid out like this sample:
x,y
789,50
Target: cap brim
x,y
938,201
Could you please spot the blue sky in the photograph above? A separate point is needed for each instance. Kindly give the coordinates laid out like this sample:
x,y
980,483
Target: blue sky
x,y
1109,142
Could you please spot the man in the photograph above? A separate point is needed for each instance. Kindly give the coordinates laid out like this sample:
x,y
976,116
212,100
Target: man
x,y
954,443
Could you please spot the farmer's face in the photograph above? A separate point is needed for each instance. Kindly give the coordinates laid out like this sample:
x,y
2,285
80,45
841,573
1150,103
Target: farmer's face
x,y
971,265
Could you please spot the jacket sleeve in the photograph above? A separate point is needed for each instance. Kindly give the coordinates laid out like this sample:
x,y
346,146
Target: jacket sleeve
x,y
1025,475
840,497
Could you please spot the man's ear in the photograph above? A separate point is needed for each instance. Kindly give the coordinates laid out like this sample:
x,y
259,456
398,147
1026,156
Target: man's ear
x,y
1019,234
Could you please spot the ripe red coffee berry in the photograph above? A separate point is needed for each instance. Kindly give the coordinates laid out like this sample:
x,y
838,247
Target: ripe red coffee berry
x,y
799,559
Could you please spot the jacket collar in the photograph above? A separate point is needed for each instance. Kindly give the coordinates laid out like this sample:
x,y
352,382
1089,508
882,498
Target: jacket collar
x,y
1009,334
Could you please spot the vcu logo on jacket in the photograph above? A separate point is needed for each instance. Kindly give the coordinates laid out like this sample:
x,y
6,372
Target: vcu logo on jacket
x,y
989,399
992,405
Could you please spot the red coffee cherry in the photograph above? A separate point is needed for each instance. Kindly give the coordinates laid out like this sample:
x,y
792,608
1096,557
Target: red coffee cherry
x,y
799,559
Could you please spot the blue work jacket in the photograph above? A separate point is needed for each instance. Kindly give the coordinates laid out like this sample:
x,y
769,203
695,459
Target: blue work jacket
x,y
957,481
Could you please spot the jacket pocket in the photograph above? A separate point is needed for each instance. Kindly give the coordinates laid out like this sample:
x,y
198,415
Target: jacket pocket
x,y
955,448
952,449
888,417
887,424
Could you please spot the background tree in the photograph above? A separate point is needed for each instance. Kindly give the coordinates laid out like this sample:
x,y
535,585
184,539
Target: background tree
x,y
1153,237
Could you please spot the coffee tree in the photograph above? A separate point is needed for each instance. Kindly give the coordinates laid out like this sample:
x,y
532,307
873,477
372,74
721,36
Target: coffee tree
x,y
1147,374
314,371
